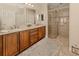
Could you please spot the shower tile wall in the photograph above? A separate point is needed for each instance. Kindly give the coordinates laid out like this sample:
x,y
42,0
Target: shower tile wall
x,y
55,24
52,25
64,27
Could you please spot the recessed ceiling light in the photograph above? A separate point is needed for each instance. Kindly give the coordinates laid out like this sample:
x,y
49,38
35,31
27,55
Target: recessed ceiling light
x,y
26,3
29,4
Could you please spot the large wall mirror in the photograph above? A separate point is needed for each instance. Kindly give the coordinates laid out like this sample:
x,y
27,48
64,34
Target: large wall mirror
x,y
30,16
25,16
18,15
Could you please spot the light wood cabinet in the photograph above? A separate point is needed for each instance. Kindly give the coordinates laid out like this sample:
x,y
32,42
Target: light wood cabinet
x,y
10,44
41,31
33,36
24,40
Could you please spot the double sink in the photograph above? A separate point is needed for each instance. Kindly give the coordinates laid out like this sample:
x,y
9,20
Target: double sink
x,y
18,29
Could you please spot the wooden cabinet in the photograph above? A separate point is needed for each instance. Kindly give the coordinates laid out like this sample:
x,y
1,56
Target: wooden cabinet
x,y
33,36
24,40
10,44
1,46
41,31
13,43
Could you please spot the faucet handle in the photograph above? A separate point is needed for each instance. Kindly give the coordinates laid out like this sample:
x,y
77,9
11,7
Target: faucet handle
x,y
14,26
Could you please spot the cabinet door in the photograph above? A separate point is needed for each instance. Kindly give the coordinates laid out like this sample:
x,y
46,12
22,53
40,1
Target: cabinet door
x,y
11,44
33,36
24,40
41,32
1,48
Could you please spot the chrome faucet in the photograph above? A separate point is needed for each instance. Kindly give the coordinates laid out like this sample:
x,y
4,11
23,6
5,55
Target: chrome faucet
x,y
12,27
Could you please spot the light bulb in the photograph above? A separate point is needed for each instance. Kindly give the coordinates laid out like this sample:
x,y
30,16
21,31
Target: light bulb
x,y
29,4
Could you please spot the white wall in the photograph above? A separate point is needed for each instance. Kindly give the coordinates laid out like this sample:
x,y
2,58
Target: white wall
x,y
74,25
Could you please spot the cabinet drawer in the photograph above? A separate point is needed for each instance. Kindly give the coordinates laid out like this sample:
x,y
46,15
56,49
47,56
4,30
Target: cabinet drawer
x,y
34,33
33,30
33,36
33,39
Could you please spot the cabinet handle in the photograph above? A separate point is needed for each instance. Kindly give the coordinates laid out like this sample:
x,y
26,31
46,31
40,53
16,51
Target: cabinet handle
x,y
33,33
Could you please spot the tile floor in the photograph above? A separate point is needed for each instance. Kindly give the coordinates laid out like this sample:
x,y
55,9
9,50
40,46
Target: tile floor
x,y
49,47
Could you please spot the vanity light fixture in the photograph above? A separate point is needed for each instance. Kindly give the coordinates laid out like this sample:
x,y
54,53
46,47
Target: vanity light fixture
x,y
32,5
29,4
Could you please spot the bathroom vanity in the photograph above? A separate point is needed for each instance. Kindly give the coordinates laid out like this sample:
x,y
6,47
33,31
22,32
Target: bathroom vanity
x,y
21,27
15,41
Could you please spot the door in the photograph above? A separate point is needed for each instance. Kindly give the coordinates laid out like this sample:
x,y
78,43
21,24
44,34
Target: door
x,y
11,46
41,32
24,40
1,48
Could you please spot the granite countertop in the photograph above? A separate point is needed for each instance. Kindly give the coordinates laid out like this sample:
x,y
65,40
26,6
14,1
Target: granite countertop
x,y
3,32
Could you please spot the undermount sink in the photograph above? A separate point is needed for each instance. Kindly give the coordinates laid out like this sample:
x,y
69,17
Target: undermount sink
x,y
29,25
3,31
